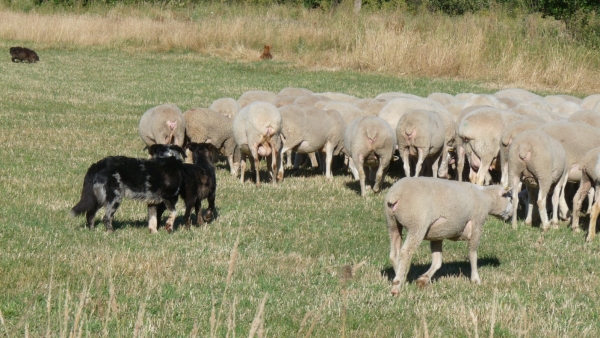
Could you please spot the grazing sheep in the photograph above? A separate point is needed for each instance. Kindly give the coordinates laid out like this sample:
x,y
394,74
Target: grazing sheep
x,y
226,106
306,130
433,209
506,138
310,100
199,182
284,101
294,91
481,130
586,116
363,103
577,139
590,178
442,98
153,181
394,109
510,103
517,94
535,113
567,108
22,54
162,124
589,102
485,100
421,133
540,162
339,97
205,125
348,111
369,142
374,107
256,130
256,95
558,99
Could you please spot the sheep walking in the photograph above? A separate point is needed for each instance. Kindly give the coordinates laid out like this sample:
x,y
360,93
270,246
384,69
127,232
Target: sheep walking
x,y
540,162
434,209
256,130
162,124
369,142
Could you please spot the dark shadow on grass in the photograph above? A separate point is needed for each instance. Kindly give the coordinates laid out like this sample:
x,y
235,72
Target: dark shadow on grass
x,y
179,221
448,269
355,186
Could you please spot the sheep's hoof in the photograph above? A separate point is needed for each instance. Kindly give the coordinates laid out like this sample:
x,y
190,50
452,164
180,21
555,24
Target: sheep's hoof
x,y
395,291
589,238
153,231
576,229
422,281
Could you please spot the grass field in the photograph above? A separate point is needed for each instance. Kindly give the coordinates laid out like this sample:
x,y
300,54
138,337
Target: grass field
x,y
291,245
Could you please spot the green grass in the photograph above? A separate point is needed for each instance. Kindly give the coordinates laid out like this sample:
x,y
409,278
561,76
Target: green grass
x,y
76,106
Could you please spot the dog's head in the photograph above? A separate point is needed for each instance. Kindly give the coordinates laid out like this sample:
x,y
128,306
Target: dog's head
x,y
166,151
207,151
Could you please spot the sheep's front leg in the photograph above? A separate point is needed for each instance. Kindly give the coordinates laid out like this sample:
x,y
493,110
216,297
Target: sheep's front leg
x,y
436,263
473,245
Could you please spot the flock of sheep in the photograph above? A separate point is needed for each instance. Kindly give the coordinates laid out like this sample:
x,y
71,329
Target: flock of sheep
x,y
509,138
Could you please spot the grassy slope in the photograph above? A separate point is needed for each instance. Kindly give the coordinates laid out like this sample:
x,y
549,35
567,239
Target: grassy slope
x,y
75,107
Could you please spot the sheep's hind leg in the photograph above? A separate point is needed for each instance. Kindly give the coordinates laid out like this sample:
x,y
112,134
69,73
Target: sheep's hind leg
x,y
593,217
436,263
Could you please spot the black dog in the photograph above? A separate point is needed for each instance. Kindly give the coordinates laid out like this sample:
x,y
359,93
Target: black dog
x,y
22,54
199,182
154,181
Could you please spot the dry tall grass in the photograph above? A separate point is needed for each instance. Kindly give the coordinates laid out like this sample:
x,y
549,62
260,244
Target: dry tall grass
x,y
528,52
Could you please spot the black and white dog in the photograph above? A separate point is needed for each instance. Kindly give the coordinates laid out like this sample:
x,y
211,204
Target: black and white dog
x,y
153,181
199,182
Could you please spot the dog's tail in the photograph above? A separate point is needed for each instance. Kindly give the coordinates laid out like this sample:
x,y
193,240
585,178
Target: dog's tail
x,y
88,200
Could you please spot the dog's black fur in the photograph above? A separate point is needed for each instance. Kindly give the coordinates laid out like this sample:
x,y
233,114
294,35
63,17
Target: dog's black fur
x,y
22,54
199,182
111,179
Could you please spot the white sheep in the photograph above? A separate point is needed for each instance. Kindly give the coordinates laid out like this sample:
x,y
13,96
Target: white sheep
x,y
256,130
307,130
506,138
421,133
540,162
517,94
310,100
369,142
590,178
226,106
348,111
586,116
442,98
481,131
589,102
294,91
434,209
256,95
205,125
394,109
339,97
162,124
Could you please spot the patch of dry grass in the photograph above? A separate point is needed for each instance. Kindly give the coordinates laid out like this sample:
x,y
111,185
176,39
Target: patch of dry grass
x,y
529,52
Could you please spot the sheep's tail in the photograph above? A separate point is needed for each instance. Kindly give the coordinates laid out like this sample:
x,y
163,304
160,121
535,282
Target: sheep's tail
x,y
524,153
172,127
88,200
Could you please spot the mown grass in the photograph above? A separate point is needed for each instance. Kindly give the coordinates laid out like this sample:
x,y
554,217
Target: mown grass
x,y
296,243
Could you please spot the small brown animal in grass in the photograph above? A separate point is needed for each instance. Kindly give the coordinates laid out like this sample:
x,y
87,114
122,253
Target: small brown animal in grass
x,y
22,54
266,55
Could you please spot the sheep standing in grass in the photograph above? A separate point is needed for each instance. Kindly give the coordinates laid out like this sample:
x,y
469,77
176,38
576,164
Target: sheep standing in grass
x,y
208,126
433,209
509,133
540,162
306,130
226,106
256,130
256,95
577,139
421,133
369,142
590,180
481,130
162,124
